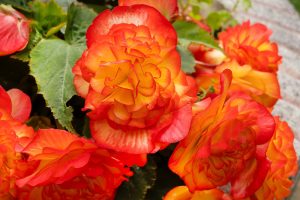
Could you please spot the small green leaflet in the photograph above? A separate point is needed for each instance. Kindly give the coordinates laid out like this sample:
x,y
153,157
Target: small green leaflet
x,y
79,18
219,19
51,65
296,4
189,32
48,17
19,4
138,185
187,59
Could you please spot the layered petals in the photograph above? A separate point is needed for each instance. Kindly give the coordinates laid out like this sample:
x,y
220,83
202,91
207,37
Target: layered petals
x,y
13,136
168,8
8,141
183,193
132,83
250,45
55,148
261,86
227,144
137,15
69,167
14,30
283,159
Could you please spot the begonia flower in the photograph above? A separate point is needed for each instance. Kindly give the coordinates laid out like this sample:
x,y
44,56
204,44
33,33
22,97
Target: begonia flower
x,y
14,30
138,97
69,167
250,45
13,136
169,8
226,144
281,153
261,86
183,193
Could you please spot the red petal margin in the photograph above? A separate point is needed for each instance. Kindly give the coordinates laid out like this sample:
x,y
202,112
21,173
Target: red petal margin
x,y
5,102
139,15
14,30
145,140
21,105
168,8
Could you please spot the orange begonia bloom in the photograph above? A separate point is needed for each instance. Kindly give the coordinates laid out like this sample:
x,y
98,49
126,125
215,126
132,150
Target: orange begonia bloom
x,y
139,98
283,159
183,193
227,143
249,44
69,167
15,108
8,157
261,86
14,30
168,8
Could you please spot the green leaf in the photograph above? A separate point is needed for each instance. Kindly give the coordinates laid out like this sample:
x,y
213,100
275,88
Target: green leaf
x,y
296,4
65,3
51,65
246,4
79,19
138,185
195,2
243,5
187,59
189,32
165,181
218,19
19,4
47,15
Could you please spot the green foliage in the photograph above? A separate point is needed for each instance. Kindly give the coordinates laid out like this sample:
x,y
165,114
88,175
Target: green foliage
x,y
48,17
65,3
189,32
51,65
193,7
242,4
296,4
166,179
187,59
246,4
79,18
19,4
138,185
219,19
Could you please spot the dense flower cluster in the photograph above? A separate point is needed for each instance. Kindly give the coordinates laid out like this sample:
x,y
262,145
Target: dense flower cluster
x,y
139,100
235,145
251,57
31,161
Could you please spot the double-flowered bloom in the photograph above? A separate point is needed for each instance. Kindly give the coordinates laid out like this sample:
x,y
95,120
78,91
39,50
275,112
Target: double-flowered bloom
x,y
227,144
252,58
138,97
139,101
54,164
